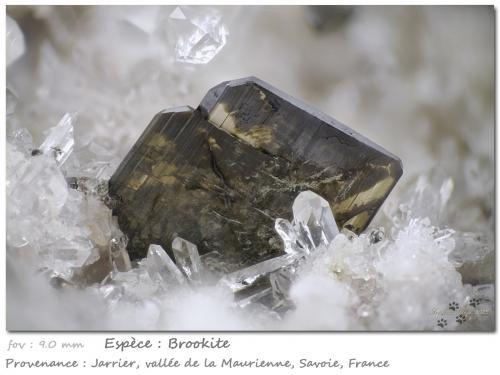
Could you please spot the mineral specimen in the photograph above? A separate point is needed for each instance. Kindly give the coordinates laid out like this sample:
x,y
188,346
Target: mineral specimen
x,y
220,175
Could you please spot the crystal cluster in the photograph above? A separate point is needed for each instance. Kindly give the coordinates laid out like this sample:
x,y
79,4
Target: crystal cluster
x,y
313,227
156,274
62,238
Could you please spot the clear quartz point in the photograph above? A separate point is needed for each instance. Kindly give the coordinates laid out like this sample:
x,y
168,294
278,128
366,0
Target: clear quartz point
x,y
60,141
313,220
161,268
15,40
118,252
253,279
196,33
187,258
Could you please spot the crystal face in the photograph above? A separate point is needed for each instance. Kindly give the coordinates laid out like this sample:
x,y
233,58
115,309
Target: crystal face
x,y
196,33
187,258
161,268
60,141
314,219
220,175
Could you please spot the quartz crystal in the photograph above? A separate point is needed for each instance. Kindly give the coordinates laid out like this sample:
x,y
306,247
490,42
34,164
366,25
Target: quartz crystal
x,y
313,224
15,40
118,250
313,220
44,186
134,285
469,247
281,282
63,254
254,279
197,33
220,175
59,141
161,268
290,238
187,258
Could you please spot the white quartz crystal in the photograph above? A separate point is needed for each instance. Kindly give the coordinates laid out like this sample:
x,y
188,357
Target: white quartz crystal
x,y
187,258
196,33
59,141
15,40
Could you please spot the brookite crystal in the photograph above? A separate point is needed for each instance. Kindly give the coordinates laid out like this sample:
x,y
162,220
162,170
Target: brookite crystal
x,y
219,175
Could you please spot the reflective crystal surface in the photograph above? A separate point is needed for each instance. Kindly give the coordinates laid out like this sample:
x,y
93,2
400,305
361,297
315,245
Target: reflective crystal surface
x,y
251,280
221,174
289,236
59,141
161,268
187,258
118,251
64,254
313,220
281,282
197,33
313,225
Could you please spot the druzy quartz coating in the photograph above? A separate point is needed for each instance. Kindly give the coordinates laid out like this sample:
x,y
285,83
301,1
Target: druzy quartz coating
x,y
220,175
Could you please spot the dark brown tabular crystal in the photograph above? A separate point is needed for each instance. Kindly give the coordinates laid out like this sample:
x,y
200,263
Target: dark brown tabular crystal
x,y
221,174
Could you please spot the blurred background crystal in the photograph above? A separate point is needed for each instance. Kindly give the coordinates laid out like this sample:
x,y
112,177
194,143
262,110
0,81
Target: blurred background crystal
x,y
399,75
15,40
